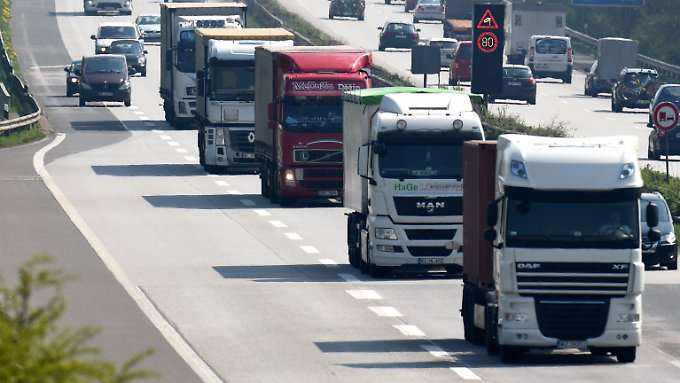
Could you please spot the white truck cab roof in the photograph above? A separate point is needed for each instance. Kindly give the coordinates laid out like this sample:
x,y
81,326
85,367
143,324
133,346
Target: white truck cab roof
x,y
584,164
224,50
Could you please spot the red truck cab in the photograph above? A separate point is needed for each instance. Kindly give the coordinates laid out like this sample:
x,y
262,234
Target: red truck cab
x,y
298,118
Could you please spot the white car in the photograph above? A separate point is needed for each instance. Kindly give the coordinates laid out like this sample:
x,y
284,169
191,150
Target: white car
x,y
428,10
94,7
447,49
150,26
109,32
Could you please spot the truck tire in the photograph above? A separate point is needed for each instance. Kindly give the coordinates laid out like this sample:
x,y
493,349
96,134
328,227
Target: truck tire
x,y
264,179
625,354
330,15
361,17
473,334
169,112
671,265
273,186
510,354
652,154
201,148
353,237
363,266
491,329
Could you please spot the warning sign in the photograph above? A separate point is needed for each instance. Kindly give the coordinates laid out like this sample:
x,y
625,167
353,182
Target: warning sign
x,y
488,21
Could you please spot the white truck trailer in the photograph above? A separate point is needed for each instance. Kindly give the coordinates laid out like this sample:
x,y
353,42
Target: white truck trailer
x,y
533,18
403,177
178,44
552,245
225,105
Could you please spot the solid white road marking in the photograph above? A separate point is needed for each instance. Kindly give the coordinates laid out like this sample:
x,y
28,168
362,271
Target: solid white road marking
x,y
364,294
262,213
176,340
310,249
409,330
435,351
328,262
144,118
385,311
675,363
165,137
234,192
173,143
465,373
278,224
349,277
190,158
157,131
293,236
222,183
247,202
181,150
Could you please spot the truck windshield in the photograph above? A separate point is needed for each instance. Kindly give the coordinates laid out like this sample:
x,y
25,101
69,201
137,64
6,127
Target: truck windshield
x,y
565,223
313,114
233,81
413,161
186,62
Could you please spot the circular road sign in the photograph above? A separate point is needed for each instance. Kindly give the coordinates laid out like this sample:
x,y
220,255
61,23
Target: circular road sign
x,y
487,42
665,116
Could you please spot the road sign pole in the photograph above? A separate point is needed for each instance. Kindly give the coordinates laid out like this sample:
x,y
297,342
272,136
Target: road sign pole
x,y
668,173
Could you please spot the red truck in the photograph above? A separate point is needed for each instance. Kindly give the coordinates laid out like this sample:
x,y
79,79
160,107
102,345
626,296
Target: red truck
x,y
298,117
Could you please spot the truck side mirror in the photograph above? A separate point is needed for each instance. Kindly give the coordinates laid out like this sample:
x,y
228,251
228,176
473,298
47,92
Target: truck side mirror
x,y
93,37
67,69
652,214
363,163
492,214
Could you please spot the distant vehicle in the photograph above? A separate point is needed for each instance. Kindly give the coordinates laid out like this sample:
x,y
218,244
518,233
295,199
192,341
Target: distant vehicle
x,y
613,54
634,88
518,84
461,66
398,35
72,78
150,25
109,32
410,5
94,7
134,53
428,10
447,49
551,56
458,19
388,2
657,143
663,252
347,8
104,78
529,19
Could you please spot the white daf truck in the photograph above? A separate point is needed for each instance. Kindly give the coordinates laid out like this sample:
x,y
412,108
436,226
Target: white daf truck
x,y
403,177
94,7
225,105
552,245
178,45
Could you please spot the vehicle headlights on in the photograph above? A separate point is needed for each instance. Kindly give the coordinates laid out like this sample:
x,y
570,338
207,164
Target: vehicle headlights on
x,y
191,91
519,169
628,318
668,238
74,80
289,177
385,233
219,136
515,317
85,86
101,49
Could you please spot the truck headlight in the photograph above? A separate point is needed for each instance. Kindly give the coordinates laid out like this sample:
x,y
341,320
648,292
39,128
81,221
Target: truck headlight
x,y
628,318
516,317
519,169
289,176
668,238
627,171
219,136
385,233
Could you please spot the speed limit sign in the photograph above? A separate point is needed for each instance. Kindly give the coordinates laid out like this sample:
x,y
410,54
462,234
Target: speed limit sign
x,y
487,42
665,116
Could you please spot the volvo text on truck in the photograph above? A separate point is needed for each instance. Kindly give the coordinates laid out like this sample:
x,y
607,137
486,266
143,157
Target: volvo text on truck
x,y
298,117
403,150
225,104
178,44
552,245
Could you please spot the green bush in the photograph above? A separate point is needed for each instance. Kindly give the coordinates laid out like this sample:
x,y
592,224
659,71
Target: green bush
x,y
655,181
508,123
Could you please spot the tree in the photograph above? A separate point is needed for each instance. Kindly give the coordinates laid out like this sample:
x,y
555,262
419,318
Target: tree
x,y
34,348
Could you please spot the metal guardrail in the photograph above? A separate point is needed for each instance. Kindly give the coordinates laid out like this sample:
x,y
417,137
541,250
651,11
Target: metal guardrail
x,y
666,70
28,104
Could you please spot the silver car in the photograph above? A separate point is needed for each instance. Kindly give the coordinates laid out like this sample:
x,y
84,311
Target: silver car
x,y
150,26
447,49
428,10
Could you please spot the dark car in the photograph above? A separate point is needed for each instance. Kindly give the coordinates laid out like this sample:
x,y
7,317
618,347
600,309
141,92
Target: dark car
x,y
665,251
518,84
398,35
461,66
657,142
134,53
410,5
104,78
634,88
72,78
347,8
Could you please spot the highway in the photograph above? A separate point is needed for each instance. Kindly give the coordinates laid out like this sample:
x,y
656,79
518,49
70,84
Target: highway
x,y
250,292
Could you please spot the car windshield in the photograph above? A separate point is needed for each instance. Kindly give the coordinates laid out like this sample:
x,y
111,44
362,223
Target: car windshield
x,y
464,51
186,62
661,207
641,77
147,20
551,46
105,65
444,44
433,161
671,91
233,82
120,32
120,47
400,28
581,224
517,72
313,114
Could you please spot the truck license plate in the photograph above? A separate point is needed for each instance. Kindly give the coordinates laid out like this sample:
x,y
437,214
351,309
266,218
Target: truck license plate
x,y
106,93
571,344
514,83
430,261
328,193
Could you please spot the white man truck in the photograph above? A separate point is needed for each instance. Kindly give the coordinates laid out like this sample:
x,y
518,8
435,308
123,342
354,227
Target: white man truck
x,y
552,245
225,105
403,158
178,44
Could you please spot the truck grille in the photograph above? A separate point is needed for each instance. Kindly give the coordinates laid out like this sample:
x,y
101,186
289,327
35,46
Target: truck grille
x,y
429,234
429,207
317,156
607,279
322,185
240,141
572,319
429,251
323,173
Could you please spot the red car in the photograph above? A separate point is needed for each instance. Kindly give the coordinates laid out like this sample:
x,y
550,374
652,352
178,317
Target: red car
x,y
410,5
461,66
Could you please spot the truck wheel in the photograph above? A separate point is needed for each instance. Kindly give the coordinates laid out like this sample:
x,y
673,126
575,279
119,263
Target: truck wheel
x,y
353,251
625,354
532,101
616,108
264,178
144,72
127,101
491,327
330,16
273,186
672,265
169,112
381,48
361,17
363,266
652,154
473,334
510,354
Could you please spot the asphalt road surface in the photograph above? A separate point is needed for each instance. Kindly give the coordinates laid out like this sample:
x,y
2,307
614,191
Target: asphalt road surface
x,y
262,293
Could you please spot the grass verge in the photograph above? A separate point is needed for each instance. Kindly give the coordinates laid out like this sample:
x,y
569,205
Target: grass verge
x,y
655,181
23,136
503,122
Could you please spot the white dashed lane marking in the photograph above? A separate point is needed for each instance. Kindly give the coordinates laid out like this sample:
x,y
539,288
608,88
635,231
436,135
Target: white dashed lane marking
x,y
222,183
181,150
165,137
351,278
263,213
173,143
328,262
157,131
293,236
364,294
409,330
278,224
435,351
310,249
385,311
465,373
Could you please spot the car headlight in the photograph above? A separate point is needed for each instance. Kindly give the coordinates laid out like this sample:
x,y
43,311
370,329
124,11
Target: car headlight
x,y
101,49
516,317
74,80
668,238
628,318
385,233
85,86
